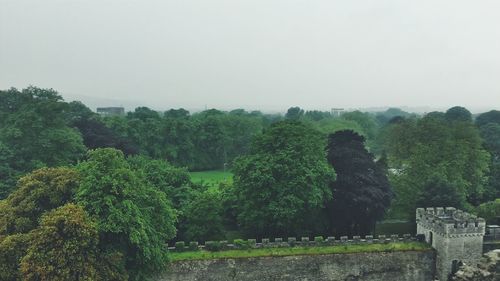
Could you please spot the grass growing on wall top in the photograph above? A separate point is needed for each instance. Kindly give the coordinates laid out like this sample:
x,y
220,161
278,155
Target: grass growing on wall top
x,y
294,251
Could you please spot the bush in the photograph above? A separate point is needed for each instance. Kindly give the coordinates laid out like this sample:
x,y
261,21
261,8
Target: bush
x,y
180,246
193,246
213,246
319,239
241,244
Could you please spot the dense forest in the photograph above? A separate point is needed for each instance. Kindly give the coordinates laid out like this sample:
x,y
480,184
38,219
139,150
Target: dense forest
x,y
119,190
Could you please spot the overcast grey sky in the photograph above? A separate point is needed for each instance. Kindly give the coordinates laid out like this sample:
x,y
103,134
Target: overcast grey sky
x,y
256,54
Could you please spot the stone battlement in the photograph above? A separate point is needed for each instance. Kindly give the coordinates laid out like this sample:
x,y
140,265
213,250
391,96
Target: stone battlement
x,y
457,237
450,222
318,241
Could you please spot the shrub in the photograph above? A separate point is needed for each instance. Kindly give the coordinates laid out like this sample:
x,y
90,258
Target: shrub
x,y
213,246
180,246
193,246
241,244
319,239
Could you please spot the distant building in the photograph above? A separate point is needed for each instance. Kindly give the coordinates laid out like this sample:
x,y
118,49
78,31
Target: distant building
x,y
336,112
111,111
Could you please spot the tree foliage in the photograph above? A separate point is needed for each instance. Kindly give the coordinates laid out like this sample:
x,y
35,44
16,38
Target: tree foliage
x,y
283,181
361,193
12,249
435,147
438,192
34,128
132,216
34,133
36,193
458,113
202,217
65,247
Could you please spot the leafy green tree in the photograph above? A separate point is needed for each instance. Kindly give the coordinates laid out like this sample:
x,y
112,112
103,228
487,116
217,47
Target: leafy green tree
x,y
361,193
8,175
433,147
294,113
240,130
65,247
12,249
180,135
35,130
132,216
458,113
36,193
438,192
202,217
492,116
34,133
173,181
147,134
365,120
283,182
176,113
211,137
384,117
490,211
316,115
143,113
489,126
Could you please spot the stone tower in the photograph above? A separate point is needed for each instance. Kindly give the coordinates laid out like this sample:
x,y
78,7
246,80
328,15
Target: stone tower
x,y
456,236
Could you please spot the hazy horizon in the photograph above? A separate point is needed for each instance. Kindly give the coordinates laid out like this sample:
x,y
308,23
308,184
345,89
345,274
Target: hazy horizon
x,y
267,55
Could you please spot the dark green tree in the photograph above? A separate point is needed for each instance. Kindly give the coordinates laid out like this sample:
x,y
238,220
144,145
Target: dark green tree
x,y
361,193
34,128
202,217
458,113
492,116
438,192
294,113
8,174
433,147
173,181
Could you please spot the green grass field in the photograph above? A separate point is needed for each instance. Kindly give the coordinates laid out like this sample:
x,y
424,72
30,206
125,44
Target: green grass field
x,y
211,178
267,252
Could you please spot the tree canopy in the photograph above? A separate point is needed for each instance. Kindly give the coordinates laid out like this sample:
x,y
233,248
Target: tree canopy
x,y
361,193
283,181
435,147
131,214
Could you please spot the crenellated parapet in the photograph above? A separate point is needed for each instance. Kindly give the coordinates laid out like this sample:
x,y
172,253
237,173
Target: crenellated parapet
x,y
318,241
450,222
457,237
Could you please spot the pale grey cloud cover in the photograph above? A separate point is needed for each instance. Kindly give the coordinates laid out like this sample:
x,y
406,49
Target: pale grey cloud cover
x,y
267,54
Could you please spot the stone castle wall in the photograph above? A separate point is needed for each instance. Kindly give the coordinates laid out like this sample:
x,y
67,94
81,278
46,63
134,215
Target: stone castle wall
x,y
382,266
456,236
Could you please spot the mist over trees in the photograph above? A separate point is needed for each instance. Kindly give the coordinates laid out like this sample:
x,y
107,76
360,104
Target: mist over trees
x,y
121,186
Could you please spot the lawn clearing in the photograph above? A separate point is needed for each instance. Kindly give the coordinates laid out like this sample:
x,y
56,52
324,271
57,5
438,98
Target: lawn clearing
x,y
211,178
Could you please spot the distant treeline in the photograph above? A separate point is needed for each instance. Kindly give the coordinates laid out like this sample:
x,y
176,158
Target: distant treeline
x,y
38,118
